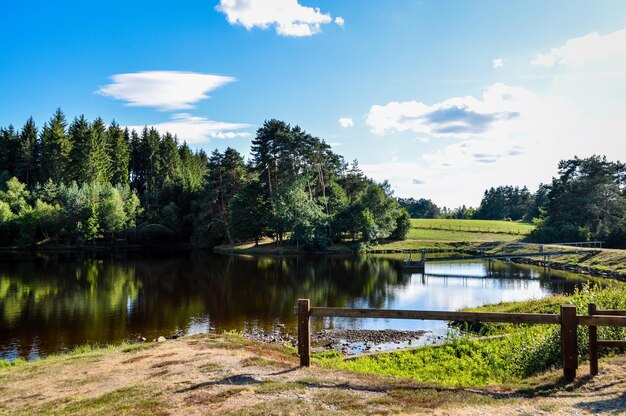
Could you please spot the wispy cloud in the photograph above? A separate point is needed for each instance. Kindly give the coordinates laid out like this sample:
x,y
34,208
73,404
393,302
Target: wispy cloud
x,y
164,90
346,122
288,17
194,129
458,117
585,49
497,63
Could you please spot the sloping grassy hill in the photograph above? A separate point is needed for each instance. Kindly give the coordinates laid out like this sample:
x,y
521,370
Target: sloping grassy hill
x,y
428,233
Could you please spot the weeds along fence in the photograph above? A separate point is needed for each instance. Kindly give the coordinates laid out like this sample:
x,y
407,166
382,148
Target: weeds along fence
x,y
567,319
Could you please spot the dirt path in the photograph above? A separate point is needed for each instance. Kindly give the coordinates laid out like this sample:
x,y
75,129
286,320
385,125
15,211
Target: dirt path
x,y
209,375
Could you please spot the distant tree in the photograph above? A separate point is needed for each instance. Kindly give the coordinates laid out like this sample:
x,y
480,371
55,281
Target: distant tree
x,y
586,201
420,208
506,202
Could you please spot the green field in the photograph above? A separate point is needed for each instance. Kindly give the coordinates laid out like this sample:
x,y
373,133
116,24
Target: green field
x,y
480,226
426,233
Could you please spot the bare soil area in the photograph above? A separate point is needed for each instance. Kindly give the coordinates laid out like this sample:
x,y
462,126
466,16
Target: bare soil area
x,y
221,374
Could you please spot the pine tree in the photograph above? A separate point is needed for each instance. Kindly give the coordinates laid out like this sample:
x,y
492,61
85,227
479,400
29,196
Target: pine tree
x,y
100,164
169,168
79,133
28,153
137,163
150,141
8,150
55,149
119,153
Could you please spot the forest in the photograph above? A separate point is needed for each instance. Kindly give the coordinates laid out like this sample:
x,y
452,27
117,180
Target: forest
x,y
85,183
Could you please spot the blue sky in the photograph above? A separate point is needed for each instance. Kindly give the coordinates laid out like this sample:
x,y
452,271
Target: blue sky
x,y
444,99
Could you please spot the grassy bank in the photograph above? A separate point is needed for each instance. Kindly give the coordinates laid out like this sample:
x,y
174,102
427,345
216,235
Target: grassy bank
x,y
512,354
228,375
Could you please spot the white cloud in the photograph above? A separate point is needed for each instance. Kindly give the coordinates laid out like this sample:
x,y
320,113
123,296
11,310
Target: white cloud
x,y
339,21
510,135
165,90
456,117
288,17
585,49
346,122
194,129
498,63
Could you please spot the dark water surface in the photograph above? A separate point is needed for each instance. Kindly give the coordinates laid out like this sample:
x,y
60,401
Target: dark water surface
x,y
50,302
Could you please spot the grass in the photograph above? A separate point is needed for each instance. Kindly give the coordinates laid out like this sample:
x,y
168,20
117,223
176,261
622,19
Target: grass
x,y
136,400
89,382
473,226
80,351
424,233
522,350
270,387
445,233
464,361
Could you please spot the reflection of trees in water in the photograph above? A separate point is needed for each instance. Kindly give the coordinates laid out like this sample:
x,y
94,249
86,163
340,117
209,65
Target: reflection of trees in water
x,y
64,302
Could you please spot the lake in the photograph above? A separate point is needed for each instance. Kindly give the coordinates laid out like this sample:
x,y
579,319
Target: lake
x,y
50,303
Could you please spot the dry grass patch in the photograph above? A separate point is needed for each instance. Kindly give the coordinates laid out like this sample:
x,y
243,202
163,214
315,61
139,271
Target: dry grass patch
x,y
169,363
281,407
273,387
341,400
204,398
211,368
136,400
263,362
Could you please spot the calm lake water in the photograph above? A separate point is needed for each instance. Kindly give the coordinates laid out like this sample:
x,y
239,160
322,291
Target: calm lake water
x,y
49,303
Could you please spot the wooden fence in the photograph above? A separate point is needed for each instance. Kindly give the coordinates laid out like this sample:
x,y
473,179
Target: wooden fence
x,y
567,319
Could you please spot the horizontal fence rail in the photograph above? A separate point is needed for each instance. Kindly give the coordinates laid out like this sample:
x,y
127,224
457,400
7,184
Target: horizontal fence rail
x,y
514,318
567,319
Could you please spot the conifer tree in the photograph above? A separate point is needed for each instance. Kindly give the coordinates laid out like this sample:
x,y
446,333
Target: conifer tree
x,y
28,153
55,149
79,133
99,162
119,153
8,150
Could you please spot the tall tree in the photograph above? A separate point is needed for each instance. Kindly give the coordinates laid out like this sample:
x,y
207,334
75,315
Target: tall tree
x,y
137,163
586,201
9,146
119,153
55,149
29,153
79,133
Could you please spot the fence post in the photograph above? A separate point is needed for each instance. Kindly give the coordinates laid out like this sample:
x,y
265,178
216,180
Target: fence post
x,y
593,343
569,349
304,332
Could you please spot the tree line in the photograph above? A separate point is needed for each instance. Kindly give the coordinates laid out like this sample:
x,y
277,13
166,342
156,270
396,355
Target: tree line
x,y
88,182
586,201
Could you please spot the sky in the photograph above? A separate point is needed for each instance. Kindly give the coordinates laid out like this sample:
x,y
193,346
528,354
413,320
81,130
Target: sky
x,y
443,99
